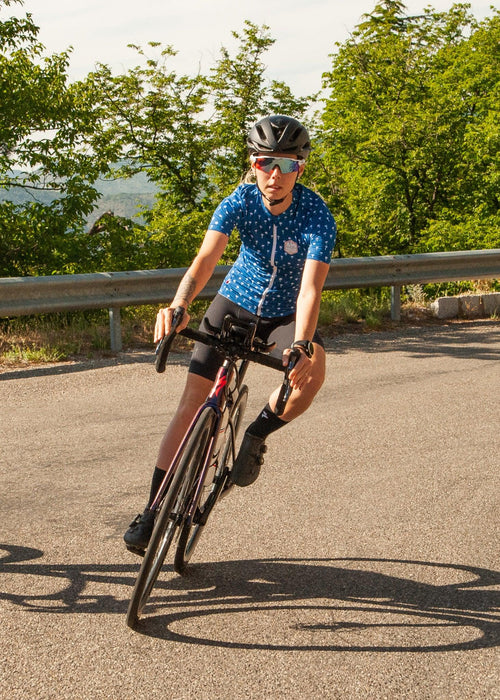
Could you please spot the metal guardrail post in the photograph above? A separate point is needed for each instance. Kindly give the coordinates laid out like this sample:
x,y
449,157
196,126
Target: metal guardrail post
x,y
115,329
396,302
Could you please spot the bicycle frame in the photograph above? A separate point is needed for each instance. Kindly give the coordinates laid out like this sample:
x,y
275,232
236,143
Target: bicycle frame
x,y
205,444
221,394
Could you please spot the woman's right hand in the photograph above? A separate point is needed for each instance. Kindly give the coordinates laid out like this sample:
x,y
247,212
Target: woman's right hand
x,y
164,322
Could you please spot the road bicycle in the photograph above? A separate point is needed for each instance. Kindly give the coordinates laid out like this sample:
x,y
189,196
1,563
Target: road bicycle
x,y
200,472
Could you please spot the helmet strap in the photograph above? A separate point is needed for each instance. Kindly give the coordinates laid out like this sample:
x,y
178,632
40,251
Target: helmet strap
x,y
274,202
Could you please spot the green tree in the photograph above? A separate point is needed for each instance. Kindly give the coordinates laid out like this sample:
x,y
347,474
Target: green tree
x,y
470,218
187,134
43,149
150,121
397,144
241,94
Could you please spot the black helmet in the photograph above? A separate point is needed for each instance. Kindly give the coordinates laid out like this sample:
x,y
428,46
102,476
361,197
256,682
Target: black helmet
x,y
279,134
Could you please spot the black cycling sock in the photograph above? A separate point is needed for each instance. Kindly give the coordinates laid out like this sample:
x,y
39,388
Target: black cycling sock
x,y
267,422
158,476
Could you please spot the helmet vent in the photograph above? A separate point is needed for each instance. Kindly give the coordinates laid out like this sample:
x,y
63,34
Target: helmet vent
x,y
279,133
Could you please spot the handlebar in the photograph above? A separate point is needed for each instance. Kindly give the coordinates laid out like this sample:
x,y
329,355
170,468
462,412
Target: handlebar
x,y
229,346
163,347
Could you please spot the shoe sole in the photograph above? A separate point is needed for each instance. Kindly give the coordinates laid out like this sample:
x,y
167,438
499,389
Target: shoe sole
x,y
136,550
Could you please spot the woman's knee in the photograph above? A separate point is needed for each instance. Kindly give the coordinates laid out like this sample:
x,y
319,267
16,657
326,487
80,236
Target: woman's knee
x,y
312,386
318,371
301,399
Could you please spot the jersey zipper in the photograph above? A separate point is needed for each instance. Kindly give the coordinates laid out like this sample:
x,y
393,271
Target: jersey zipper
x,y
274,272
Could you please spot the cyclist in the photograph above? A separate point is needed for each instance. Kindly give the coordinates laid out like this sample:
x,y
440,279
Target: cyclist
x,y
287,237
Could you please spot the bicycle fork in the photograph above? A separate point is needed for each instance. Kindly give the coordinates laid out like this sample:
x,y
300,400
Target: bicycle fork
x,y
215,402
218,399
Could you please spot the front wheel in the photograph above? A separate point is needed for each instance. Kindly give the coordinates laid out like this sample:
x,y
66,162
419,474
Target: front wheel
x,y
214,483
171,513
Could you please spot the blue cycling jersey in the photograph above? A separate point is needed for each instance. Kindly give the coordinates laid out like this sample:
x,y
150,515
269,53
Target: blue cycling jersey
x,y
266,277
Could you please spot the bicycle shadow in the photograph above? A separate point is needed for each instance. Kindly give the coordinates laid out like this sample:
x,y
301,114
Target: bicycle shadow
x,y
320,604
344,604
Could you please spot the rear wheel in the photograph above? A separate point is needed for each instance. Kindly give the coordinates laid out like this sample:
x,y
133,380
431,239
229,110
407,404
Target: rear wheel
x,y
215,481
171,514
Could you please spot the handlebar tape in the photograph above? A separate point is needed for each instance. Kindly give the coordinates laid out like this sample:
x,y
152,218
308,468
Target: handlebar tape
x,y
163,347
286,388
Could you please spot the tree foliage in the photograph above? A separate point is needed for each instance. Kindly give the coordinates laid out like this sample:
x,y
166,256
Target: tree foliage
x,y
239,95
187,133
44,148
406,142
409,132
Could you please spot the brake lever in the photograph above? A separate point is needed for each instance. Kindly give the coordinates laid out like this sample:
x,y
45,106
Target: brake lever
x,y
164,345
286,388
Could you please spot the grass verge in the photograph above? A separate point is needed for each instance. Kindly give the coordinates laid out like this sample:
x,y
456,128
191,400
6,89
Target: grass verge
x,y
85,335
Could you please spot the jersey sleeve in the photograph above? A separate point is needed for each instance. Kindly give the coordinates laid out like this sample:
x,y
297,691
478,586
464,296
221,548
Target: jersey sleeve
x,y
228,214
323,233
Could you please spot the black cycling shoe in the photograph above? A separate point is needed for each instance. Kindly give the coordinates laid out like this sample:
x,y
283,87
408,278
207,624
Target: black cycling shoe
x,y
139,532
246,467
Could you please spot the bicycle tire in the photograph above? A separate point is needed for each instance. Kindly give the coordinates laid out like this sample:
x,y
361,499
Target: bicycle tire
x,y
191,530
170,514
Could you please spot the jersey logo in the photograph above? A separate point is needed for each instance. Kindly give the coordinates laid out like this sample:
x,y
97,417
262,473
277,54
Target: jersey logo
x,y
291,247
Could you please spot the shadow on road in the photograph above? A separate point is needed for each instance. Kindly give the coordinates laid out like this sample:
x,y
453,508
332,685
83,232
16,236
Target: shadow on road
x,y
479,340
138,357
454,340
282,604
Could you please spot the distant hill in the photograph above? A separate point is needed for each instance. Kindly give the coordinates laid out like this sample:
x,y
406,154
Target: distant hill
x,y
124,197
126,205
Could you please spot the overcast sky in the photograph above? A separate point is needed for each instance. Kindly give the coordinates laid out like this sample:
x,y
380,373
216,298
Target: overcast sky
x,y
305,31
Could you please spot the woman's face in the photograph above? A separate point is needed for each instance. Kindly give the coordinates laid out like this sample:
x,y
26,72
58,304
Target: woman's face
x,y
276,184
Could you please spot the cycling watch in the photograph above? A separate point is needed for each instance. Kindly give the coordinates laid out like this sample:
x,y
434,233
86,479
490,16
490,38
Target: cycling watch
x,y
304,345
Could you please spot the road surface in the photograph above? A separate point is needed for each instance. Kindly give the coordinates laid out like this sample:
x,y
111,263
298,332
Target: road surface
x,y
363,563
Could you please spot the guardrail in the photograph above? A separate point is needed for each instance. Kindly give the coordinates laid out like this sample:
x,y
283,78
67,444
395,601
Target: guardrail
x,y
21,296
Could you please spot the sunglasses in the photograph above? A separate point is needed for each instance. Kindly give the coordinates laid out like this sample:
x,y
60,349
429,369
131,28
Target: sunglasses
x,y
267,164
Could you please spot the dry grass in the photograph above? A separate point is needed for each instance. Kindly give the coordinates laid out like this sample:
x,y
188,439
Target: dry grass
x,y
63,337
55,338
85,335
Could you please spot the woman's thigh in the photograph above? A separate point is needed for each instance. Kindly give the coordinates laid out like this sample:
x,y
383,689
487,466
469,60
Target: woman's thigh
x,y
284,335
205,361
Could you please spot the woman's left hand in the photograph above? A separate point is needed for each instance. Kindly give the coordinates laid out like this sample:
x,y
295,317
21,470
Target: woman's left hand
x,y
300,373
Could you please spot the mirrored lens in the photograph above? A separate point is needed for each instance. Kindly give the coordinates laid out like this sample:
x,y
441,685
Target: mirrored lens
x,y
286,165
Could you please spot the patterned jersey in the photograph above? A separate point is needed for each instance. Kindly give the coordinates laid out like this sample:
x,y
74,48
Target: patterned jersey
x,y
266,277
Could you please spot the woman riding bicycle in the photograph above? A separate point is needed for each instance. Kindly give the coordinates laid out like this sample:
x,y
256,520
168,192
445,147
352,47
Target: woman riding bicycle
x,y
287,238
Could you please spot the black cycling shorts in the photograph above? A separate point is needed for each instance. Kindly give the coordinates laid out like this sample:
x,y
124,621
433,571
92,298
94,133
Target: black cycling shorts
x,y
206,361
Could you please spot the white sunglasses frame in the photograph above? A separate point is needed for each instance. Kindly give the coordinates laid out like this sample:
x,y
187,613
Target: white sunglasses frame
x,y
254,158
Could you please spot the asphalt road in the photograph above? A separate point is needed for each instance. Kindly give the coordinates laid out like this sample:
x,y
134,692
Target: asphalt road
x,y
364,562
